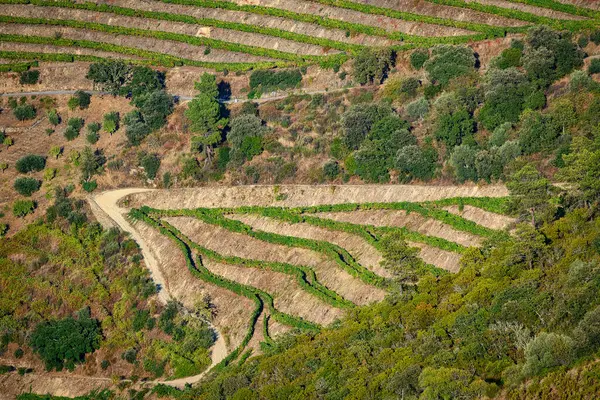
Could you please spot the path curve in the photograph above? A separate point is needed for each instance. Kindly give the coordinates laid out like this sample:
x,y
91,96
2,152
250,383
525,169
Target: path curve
x,y
106,204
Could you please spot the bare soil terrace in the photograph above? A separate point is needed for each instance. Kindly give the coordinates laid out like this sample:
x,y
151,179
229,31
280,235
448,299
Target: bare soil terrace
x,y
227,35
342,14
253,19
305,195
540,11
441,11
329,273
173,48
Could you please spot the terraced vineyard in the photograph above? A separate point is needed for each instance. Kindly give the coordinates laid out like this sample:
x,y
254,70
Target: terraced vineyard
x,y
297,257
247,34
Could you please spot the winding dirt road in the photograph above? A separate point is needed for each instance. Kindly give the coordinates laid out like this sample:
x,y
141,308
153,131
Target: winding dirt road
x,y
105,205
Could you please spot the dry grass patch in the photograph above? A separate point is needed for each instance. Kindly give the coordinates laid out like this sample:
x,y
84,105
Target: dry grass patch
x,y
443,259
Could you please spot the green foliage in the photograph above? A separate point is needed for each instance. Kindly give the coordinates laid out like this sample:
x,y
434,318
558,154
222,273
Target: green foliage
x,y
29,77
64,343
24,112
463,160
417,109
414,162
21,208
456,128
358,121
151,164
90,163
110,122
530,192
448,62
80,99
373,65
594,66
27,186
505,92
418,58
331,169
267,81
538,132
30,163
547,350
53,117
73,128
206,114
244,137
509,58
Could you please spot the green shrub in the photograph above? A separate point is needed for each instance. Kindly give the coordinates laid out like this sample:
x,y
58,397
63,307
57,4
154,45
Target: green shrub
x,y
92,137
24,112
27,186
594,66
111,122
269,80
151,164
64,343
30,163
331,169
80,99
21,208
89,186
418,58
595,37
53,117
73,128
29,77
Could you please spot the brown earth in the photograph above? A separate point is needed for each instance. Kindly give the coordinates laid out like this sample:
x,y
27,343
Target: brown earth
x,y
367,255
247,38
253,19
441,11
540,11
342,14
173,48
328,272
482,217
401,218
306,195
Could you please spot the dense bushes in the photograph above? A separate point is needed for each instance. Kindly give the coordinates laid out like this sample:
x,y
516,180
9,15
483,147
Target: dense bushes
x,y
27,186
269,80
73,128
29,77
373,65
245,137
24,112
64,343
448,62
30,163
21,208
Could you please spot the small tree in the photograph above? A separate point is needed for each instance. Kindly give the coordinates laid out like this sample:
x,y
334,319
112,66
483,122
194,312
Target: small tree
x,y
205,115
21,208
24,112
27,186
546,351
151,164
73,128
53,117
30,163
418,58
29,77
55,152
463,161
448,62
111,122
529,191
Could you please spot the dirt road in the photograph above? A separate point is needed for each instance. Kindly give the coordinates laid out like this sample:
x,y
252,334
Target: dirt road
x,y
105,204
